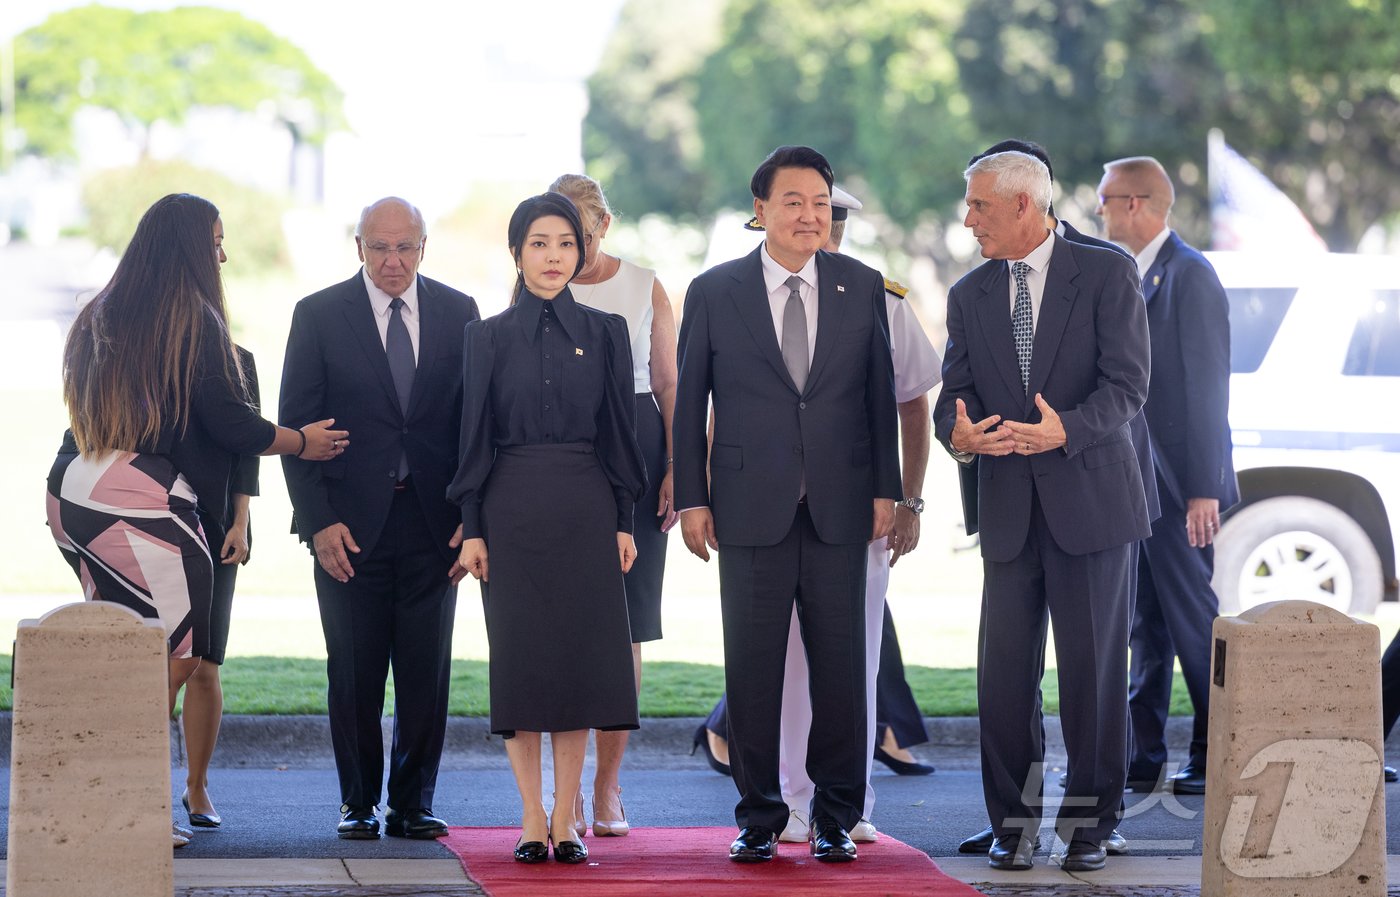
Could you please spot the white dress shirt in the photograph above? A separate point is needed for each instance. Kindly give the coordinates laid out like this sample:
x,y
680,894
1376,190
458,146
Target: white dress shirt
x,y
1149,252
775,279
379,302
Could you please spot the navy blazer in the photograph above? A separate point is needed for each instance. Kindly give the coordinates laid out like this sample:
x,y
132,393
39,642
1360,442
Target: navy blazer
x,y
843,424
336,367
1090,361
1188,404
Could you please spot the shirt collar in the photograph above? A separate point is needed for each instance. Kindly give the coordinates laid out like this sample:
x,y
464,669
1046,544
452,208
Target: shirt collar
x,y
380,300
530,308
1149,252
775,275
1039,257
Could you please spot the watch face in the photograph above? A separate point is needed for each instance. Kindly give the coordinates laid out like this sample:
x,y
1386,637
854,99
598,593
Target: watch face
x,y
914,504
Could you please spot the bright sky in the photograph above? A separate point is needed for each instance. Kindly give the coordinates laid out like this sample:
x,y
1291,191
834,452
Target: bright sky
x,y
433,89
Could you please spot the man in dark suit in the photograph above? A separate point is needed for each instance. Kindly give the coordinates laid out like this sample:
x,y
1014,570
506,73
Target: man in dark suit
x,y
1187,404
792,345
1046,364
1115,844
384,348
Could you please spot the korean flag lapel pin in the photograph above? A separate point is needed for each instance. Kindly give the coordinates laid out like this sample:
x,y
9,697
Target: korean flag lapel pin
x,y
840,288
578,351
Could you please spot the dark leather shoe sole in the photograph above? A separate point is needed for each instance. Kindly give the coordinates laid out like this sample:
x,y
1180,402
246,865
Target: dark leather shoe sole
x,y
834,856
426,834
981,842
1186,786
1018,859
749,855
359,834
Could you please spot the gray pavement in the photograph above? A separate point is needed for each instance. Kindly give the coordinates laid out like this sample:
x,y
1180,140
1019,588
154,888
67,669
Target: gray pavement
x,y
276,788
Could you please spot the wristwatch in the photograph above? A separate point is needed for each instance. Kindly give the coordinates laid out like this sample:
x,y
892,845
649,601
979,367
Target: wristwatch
x,y
914,504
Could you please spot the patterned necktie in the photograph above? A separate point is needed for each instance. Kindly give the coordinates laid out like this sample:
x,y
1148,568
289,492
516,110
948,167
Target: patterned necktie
x,y
1022,323
795,334
402,365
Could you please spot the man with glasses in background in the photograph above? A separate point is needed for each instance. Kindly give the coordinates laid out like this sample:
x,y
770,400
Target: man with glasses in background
x,y
384,348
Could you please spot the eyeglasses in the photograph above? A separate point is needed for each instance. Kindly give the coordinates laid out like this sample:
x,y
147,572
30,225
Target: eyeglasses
x,y
1105,197
403,250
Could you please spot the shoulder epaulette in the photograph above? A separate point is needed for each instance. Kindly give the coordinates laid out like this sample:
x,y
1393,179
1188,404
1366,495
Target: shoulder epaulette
x,y
895,287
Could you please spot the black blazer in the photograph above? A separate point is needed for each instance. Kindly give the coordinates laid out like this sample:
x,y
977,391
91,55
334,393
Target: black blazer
x,y
336,367
1090,361
843,424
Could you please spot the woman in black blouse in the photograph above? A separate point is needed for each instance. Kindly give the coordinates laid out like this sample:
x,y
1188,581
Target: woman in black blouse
x,y
549,475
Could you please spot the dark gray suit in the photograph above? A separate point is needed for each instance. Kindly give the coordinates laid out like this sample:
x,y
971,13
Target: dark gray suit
x,y
1056,527
839,435
398,607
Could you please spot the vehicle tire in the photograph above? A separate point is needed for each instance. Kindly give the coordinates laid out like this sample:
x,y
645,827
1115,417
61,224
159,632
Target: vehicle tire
x,y
1295,548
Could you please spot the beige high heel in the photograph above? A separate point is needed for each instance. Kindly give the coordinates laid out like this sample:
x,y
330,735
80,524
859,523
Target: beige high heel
x,y
178,835
580,824
605,828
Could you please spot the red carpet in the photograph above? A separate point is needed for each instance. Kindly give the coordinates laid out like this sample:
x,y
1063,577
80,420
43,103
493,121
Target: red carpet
x,y
693,861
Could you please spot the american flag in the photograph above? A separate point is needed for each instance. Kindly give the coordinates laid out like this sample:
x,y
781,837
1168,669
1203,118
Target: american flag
x,y
1247,212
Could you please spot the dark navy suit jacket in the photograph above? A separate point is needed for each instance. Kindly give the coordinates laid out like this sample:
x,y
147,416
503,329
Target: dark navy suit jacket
x,y
336,367
1090,361
843,424
1188,405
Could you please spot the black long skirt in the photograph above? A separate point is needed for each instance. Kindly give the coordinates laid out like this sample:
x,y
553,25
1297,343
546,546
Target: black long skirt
x,y
556,608
644,579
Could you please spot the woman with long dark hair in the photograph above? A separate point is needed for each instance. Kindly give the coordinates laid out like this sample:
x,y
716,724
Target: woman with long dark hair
x,y
549,476
159,411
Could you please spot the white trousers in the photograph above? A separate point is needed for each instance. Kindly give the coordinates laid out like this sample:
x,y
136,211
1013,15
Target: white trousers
x,y
796,785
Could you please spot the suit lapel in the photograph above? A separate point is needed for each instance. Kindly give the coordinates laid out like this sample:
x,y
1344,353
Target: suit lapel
x,y
831,308
431,337
1158,272
1055,304
360,315
994,314
750,296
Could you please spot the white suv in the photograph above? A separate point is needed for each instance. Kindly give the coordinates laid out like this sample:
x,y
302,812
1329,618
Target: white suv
x,y
1315,410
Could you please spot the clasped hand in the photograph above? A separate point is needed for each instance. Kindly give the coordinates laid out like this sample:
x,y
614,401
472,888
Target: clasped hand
x,y
985,437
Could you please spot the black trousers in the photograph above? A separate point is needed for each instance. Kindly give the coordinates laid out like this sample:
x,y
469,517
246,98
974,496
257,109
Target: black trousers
x,y
1086,599
396,611
1172,620
758,587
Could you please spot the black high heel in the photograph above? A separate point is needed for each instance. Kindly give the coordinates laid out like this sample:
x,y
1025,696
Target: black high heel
x,y
571,852
531,851
702,741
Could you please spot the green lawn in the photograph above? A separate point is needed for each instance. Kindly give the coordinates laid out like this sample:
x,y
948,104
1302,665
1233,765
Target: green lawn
x,y
289,685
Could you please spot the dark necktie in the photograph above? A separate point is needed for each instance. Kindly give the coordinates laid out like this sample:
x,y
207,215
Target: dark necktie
x,y
795,334
402,365
1022,322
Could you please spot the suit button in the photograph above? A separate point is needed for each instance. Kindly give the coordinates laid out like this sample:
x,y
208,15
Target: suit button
x,y
802,405
394,475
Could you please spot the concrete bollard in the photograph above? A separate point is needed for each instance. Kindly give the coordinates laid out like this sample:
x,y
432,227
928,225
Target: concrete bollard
x,y
1294,798
90,756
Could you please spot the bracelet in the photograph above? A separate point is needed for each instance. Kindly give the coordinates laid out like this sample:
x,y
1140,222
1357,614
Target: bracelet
x,y
302,434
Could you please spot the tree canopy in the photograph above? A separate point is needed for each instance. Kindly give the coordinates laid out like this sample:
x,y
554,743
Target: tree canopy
x,y
156,66
899,93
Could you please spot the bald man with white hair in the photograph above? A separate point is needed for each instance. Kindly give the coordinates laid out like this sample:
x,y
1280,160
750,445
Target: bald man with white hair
x,y
384,349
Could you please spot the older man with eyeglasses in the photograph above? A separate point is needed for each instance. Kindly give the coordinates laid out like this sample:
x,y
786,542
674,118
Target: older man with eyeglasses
x,y
385,349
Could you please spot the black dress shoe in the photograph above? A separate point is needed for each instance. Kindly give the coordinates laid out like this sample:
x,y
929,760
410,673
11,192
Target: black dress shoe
x,y
571,852
899,766
981,842
754,845
829,842
1391,775
1083,856
1115,845
531,851
358,824
1191,780
702,742
978,843
1011,853
418,823
1064,779
213,820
